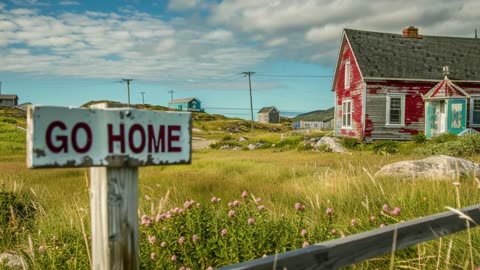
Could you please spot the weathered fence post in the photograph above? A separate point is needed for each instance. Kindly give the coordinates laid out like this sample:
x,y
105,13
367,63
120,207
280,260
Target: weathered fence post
x,y
114,206
113,142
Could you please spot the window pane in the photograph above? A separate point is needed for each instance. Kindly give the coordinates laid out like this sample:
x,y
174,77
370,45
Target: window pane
x,y
476,117
395,110
476,105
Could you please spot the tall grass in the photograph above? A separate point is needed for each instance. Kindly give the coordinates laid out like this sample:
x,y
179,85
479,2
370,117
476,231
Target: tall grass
x,y
321,182
295,198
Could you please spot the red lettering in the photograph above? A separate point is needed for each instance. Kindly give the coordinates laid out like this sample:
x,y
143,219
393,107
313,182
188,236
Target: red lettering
x,y
88,133
59,138
131,141
155,143
172,138
112,138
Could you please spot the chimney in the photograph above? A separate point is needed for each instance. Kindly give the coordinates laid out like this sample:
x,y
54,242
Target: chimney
x,y
411,32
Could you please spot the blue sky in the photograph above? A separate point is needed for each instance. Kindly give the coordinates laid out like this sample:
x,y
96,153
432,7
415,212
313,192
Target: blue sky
x,y
69,52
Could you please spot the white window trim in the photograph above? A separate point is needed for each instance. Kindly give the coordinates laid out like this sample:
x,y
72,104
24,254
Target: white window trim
x,y
347,71
402,114
472,98
351,113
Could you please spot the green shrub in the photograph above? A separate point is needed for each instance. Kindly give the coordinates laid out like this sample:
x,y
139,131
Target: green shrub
x,y
466,145
290,142
8,120
444,137
350,143
419,138
385,147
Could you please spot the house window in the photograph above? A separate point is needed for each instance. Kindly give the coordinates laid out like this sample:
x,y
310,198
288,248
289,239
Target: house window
x,y
347,74
475,111
395,110
347,113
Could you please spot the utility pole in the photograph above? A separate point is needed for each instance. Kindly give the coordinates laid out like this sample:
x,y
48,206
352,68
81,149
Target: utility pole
x,y
171,94
249,74
0,87
128,89
143,97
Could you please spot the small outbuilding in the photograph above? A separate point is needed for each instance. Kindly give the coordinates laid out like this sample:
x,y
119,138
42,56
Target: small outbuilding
x,y
8,100
186,104
269,115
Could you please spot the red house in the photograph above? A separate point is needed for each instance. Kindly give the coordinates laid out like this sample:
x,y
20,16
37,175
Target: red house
x,y
393,86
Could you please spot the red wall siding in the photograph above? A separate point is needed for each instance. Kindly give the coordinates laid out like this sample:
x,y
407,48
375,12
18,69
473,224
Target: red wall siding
x,y
414,106
354,92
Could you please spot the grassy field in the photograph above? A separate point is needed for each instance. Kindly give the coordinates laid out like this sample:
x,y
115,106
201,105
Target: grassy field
x,y
233,206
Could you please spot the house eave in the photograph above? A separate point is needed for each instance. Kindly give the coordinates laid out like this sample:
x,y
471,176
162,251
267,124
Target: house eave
x,y
414,79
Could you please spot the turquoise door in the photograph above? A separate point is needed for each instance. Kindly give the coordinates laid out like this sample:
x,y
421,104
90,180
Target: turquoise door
x,y
456,115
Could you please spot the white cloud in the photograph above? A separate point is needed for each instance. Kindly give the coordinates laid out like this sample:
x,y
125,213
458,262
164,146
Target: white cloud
x,y
276,42
69,3
219,35
234,36
113,45
180,5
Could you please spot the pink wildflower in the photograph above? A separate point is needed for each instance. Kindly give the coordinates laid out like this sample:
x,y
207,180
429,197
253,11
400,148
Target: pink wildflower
x,y
333,231
257,200
194,238
303,232
395,211
146,220
372,218
305,244
181,240
385,208
152,256
41,249
236,203
329,211
251,221
354,222
163,244
261,207
244,194
382,225
173,258
299,206
159,217
151,239
231,213
224,232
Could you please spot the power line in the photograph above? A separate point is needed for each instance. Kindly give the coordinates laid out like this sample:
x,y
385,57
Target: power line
x,y
294,76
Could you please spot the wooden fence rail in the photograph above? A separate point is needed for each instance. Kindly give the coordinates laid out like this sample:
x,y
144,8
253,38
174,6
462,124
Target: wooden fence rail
x,y
359,247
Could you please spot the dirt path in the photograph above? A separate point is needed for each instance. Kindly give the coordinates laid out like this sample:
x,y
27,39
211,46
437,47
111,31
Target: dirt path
x,y
201,143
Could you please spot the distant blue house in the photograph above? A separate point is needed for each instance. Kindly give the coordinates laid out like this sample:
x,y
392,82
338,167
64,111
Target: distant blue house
x,y
186,104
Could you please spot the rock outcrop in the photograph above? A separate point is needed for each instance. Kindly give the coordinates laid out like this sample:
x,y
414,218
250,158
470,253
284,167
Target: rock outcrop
x,y
432,167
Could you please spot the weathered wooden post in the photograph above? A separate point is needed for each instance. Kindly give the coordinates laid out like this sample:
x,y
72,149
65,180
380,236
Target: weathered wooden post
x,y
113,142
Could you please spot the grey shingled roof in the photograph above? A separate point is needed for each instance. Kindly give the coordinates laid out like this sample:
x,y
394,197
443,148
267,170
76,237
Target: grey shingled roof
x,y
386,55
8,96
267,109
182,100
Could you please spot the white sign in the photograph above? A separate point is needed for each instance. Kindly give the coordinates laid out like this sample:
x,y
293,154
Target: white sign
x,y
75,137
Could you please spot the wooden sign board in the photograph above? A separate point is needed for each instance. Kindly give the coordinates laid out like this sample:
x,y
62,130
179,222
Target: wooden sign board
x,y
125,137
